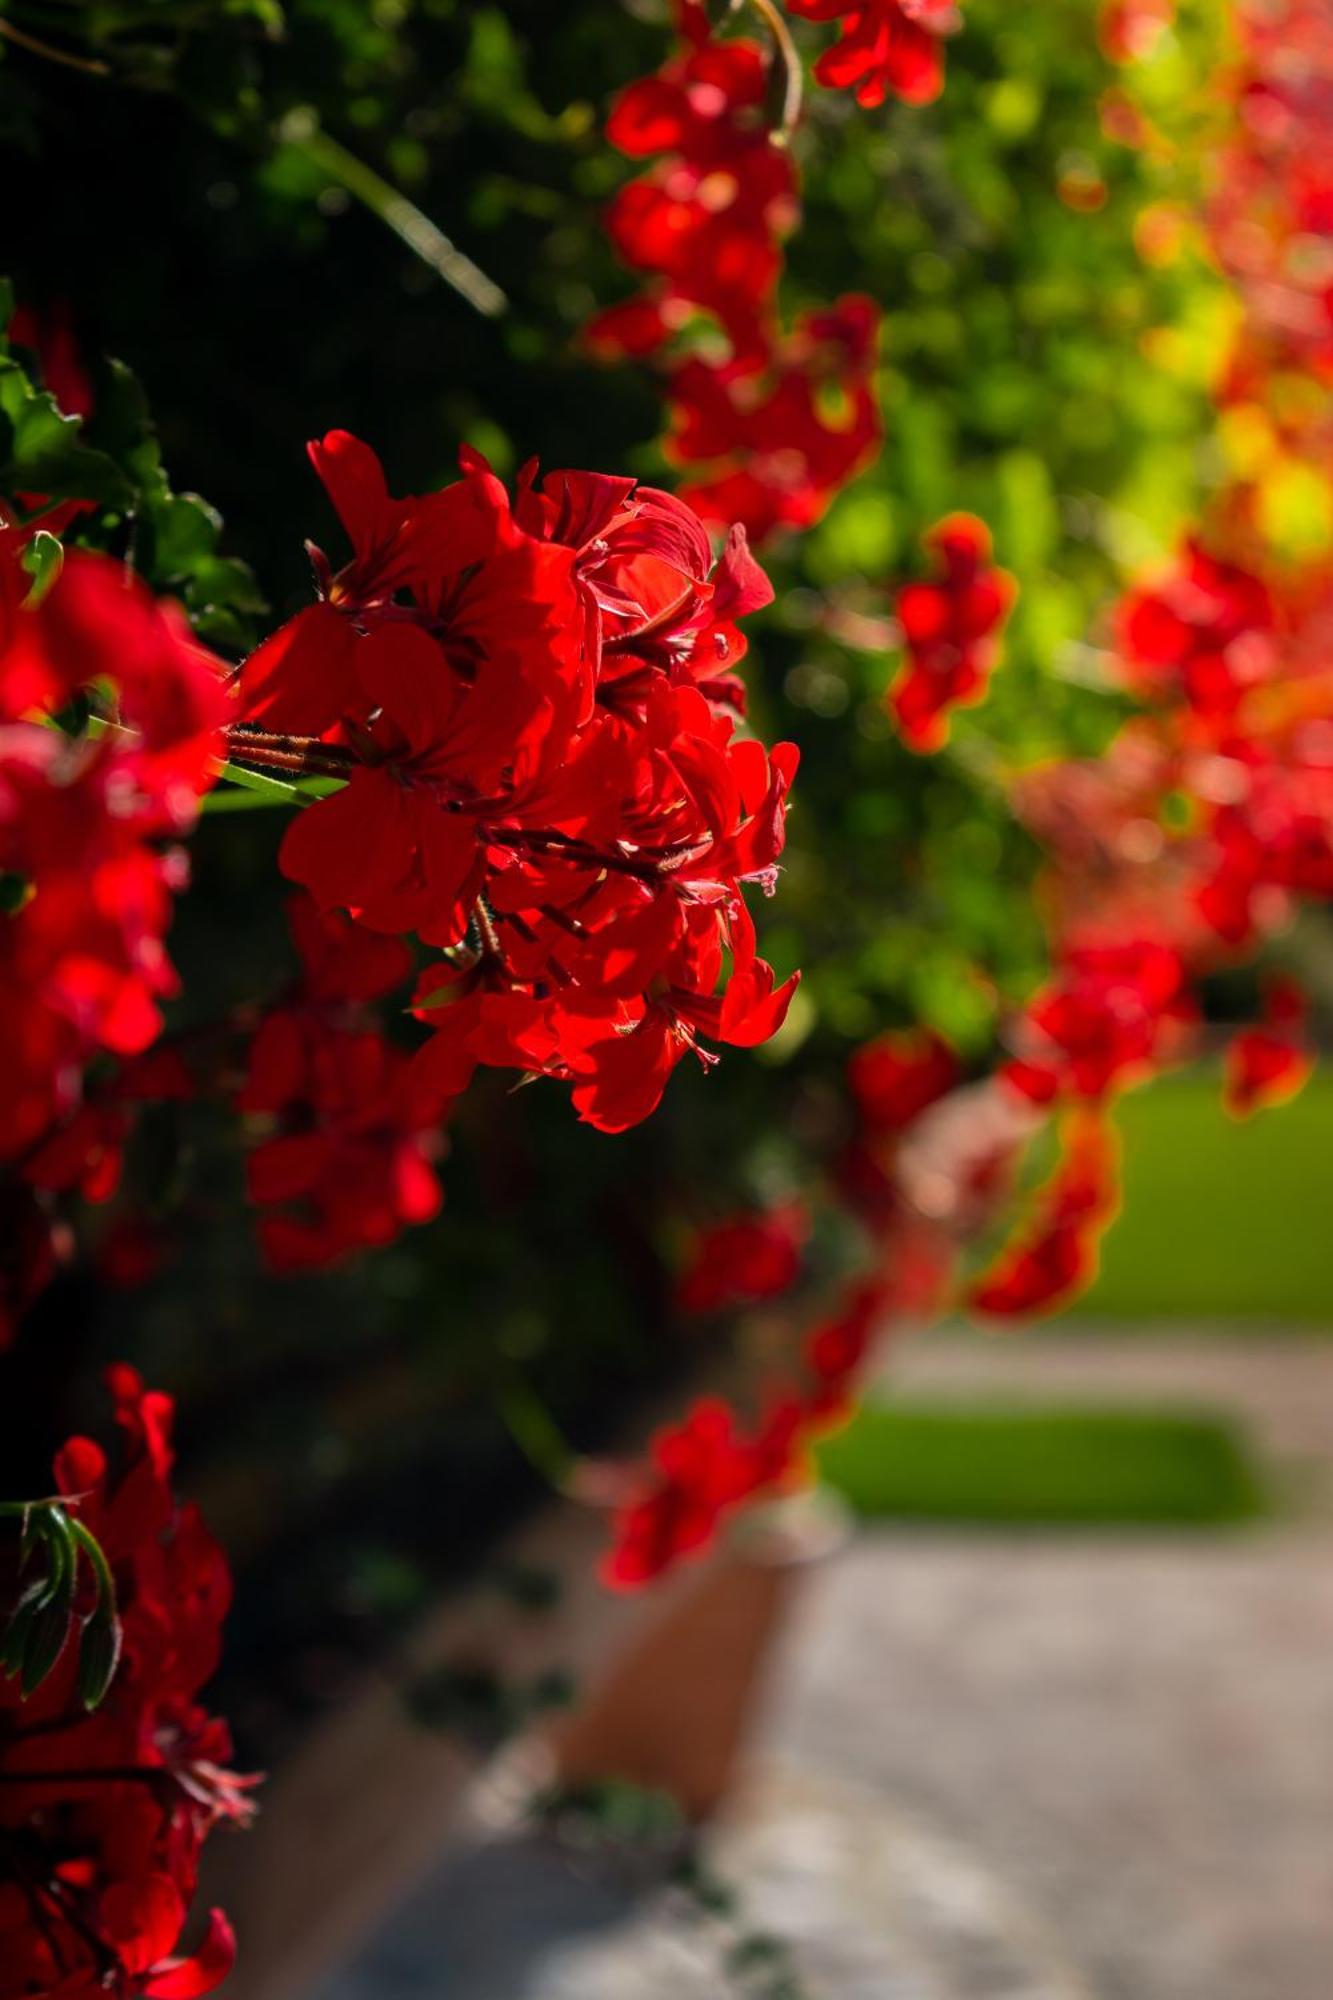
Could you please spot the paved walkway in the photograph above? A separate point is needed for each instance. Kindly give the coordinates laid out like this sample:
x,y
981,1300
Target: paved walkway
x,y
1136,1733
996,1767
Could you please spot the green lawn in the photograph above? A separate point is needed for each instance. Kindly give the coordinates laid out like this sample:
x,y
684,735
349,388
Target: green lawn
x,y
1053,1467
1221,1220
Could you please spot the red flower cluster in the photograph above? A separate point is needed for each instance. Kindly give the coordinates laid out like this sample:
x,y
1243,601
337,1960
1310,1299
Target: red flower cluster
x,y
535,708
1054,1254
787,415
349,1163
702,1470
950,629
87,868
1202,636
884,46
743,1260
1270,1063
892,1080
1114,1013
706,221
102,1816
896,1077
776,440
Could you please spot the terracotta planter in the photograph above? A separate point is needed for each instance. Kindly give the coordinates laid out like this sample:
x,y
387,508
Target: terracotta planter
x,y
373,1799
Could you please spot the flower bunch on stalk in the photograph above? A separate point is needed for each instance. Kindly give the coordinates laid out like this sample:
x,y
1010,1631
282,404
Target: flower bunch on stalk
x,y
535,709
770,418
884,47
90,822
103,1815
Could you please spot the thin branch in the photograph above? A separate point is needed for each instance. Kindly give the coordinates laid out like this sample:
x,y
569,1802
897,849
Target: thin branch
x,y
88,65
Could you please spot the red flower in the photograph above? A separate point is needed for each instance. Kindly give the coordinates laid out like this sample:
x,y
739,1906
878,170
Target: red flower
x,y
102,1854
884,45
1269,837
701,1470
347,1139
1112,1014
621,1076
89,884
1271,1063
707,219
950,630
897,1076
657,603
779,439
837,1347
536,712
743,1260
1055,1255
1204,634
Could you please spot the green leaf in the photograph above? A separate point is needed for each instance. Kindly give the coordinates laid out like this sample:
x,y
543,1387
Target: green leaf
x,y
258,790
44,449
99,1656
45,1642
176,534
43,559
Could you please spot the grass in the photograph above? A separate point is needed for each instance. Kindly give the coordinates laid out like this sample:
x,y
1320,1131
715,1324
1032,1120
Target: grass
x,y
1221,1220
1048,1467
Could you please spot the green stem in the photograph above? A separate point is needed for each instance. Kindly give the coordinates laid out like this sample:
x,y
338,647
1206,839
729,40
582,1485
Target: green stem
x,y
393,208
101,1569
793,76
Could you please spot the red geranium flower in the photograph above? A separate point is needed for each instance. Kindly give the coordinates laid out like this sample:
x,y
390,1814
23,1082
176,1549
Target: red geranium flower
x,y
1111,1015
1269,1064
1056,1252
743,1260
950,630
778,439
708,218
884,46
701,1470
1204,634
103,1816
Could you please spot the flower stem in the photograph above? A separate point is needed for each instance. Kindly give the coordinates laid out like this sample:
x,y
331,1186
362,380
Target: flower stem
x,y
394,209
793,77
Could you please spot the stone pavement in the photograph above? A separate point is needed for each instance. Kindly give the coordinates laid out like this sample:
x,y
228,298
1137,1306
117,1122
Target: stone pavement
x,y
869,1905
1135,1732
994,1767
